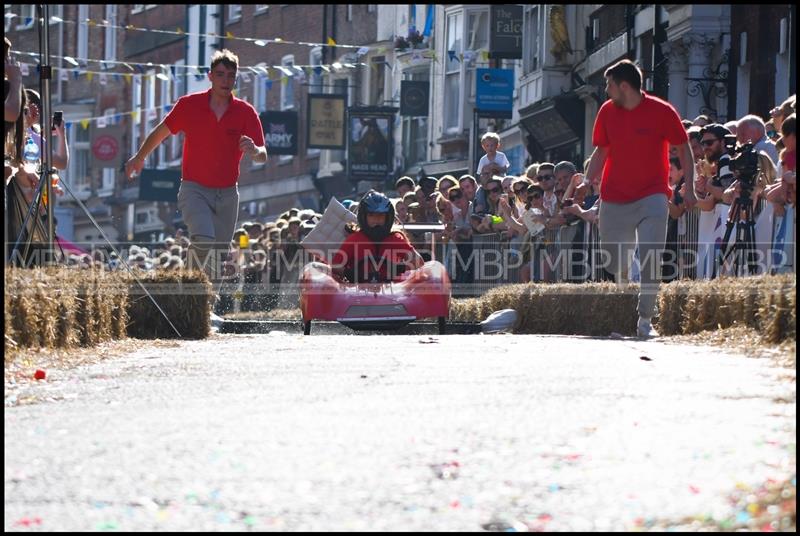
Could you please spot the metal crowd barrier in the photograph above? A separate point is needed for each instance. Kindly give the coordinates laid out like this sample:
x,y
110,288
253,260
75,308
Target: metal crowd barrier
x,y
555,256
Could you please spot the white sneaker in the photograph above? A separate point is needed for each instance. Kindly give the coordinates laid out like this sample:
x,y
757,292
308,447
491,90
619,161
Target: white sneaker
x,y
645,329
216,321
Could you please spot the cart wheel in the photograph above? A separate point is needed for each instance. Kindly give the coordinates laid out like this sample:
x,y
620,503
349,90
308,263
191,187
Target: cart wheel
x,y
306,327
442,322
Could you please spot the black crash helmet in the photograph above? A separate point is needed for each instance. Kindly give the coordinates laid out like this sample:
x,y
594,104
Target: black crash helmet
x,y
375,202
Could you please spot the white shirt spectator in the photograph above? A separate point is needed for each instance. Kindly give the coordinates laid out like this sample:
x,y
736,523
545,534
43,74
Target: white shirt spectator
x,y
499,159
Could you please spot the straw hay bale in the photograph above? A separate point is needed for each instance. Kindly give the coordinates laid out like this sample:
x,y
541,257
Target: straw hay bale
x,y
597,309
184,296
671,304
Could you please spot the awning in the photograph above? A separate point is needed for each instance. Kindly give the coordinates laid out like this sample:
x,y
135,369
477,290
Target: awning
x,y
555,121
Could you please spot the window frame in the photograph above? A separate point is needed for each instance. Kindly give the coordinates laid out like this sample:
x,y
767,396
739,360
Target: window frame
x,y
407,122
287,90
79,150
82,35
151,113
531,40
177,90
110,37
21,25
463,72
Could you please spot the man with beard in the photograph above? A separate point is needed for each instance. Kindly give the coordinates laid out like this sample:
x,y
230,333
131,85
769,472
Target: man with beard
x,y
374,253
713,142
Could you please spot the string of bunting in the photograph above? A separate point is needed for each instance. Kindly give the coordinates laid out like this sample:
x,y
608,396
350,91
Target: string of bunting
x,y
179,31
105,120
168,71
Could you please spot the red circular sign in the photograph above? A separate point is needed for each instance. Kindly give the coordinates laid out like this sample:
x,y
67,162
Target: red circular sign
x,y
105,148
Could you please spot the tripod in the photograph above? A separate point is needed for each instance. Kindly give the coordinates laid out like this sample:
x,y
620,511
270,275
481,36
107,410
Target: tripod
x,y
740,215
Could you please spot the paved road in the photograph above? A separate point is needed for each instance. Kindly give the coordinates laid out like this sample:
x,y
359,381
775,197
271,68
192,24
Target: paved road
x,y
285,432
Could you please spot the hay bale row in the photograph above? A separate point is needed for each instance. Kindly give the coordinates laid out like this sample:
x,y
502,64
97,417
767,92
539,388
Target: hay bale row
x,y
60,307
764,303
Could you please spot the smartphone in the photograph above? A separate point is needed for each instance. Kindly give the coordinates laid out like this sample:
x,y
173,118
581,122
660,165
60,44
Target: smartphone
x,y
58,117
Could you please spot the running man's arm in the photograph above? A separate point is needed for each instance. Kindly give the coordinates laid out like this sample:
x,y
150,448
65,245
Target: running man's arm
x,y
135,165
687,166
597,162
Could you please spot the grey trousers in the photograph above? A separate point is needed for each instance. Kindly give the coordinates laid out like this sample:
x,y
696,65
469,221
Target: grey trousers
x,y
210,214
623,226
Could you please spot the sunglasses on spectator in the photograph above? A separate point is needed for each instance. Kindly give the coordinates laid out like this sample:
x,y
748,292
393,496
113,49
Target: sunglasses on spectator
x,y
455,196
519,191
546,177
709,143
492,190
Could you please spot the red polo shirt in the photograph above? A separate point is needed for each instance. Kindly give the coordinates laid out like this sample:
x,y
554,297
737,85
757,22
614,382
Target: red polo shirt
x,y
638,141
361,254
211,152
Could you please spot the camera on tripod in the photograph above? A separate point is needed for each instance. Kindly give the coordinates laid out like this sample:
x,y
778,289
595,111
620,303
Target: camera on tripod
x,y
743,163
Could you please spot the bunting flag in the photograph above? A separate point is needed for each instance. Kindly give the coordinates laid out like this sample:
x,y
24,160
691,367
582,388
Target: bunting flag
x,y
85,123
452,55
331,42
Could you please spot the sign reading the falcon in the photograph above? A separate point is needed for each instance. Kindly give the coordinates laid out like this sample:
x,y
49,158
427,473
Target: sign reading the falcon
x,y
505,35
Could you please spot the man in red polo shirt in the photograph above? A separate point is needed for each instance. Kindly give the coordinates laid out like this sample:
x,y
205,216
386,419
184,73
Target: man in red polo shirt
x,y
633,132
218,129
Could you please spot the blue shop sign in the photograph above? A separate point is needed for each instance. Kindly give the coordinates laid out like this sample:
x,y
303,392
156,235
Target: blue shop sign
x,y
494,92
